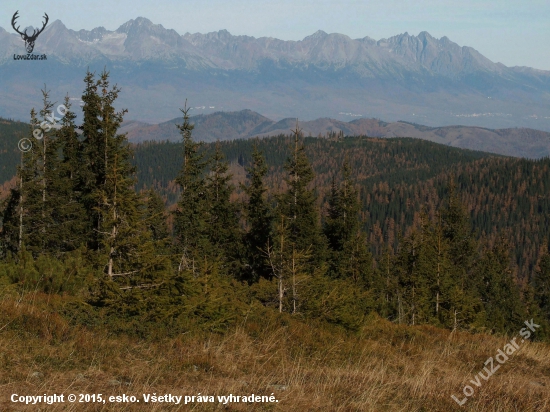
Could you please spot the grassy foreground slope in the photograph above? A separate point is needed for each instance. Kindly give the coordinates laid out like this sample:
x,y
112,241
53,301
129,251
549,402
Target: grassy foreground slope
x,y
307,367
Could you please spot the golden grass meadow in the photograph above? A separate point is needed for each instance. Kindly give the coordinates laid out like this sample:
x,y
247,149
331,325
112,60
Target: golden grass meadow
x,y
384,367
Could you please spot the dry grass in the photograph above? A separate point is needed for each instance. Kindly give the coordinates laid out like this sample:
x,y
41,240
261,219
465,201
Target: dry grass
x,y
387,368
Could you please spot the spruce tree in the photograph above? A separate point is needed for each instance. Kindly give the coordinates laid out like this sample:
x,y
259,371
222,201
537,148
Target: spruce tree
x,y
191,214
9,235
298,205
333,229
13,214
438,272
277,257
464,307
349,256
120,239
259,218
94,147
32,221
135,272
457,229
118,205
223,221
413,295
356,261
385,286
155,217
499,293
541,286
69,213
435,267
36,219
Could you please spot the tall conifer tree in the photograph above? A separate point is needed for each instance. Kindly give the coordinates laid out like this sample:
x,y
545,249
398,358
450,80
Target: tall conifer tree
x,y
541,286
119,235
94,153
349,255
69,213
298,205
33,221
156,217
223,221
258,217
499,293
191,214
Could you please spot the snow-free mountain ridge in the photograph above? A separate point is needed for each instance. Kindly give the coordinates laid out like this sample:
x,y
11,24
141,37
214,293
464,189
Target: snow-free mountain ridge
x,y
518,142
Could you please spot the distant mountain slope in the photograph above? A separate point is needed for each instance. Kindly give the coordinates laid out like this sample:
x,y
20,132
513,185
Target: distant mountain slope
x,y
404,77
208,128
518,142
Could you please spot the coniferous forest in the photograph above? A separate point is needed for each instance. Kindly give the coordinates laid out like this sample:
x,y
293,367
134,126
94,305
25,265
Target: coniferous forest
x,y
159,240
284,236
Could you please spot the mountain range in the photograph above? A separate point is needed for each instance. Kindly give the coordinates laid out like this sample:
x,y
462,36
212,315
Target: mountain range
x,y
517,142
418,79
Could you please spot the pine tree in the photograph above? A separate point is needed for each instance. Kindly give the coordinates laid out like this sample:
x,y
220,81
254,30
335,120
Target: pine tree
x,y
258,217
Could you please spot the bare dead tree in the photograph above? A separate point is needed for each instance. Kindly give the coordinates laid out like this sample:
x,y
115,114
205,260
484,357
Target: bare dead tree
x,y
276,262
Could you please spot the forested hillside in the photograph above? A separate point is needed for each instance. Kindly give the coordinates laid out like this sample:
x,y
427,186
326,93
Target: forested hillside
x,y
396,179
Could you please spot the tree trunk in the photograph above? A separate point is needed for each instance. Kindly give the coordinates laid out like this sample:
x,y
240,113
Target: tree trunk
x,y
21,207
281,286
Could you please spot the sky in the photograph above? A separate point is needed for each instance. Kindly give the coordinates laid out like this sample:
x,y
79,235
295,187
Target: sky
x,y
515,33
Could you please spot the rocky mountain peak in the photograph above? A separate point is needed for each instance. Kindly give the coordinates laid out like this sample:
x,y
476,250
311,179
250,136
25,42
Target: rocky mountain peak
x,y
318,35
425,36
94,35
139,23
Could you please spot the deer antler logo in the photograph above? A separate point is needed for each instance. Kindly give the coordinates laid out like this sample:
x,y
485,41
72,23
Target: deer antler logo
x,y
29,40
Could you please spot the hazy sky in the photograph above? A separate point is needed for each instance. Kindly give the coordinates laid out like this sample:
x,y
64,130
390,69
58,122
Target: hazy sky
x,y
514,32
